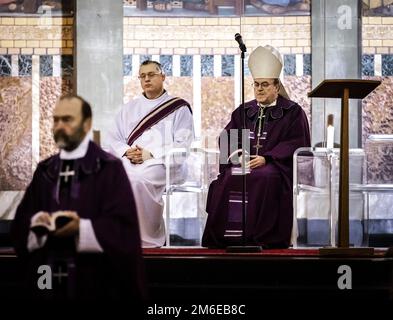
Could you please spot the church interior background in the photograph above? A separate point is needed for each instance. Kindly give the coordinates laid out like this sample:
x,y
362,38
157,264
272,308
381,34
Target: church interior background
x,y
193,40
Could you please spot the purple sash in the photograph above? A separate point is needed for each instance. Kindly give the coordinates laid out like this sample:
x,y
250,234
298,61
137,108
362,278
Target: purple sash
x,y
155,116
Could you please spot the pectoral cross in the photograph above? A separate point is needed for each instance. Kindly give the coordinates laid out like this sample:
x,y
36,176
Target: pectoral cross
x,y
257,146
67,173
260,135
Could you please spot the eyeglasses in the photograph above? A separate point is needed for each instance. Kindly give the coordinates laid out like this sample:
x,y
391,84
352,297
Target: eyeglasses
x,y
149,75
263,85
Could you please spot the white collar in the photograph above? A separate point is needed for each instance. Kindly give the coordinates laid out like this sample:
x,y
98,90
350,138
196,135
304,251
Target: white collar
x,y
268,105
160,97
79,152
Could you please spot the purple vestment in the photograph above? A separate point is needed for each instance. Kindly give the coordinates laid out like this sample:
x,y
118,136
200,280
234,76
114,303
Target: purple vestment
x,y
269,187
102,193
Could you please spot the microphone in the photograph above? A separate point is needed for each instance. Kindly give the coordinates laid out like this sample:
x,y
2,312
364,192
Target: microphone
x,y
239,40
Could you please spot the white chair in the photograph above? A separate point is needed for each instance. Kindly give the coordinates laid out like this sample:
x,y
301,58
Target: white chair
x,y
200,168
315,196
315,193
377,189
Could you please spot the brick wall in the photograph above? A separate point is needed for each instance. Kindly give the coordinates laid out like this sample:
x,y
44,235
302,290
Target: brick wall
x,y
377,35
291,35
39,36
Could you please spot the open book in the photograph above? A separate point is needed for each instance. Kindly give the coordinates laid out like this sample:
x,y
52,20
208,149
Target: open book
x,y
57,220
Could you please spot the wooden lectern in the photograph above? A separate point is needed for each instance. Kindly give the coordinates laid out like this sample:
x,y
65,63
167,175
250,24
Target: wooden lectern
x,y
344,89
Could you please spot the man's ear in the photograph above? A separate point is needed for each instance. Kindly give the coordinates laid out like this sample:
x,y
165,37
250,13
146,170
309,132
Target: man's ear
x,y
87,125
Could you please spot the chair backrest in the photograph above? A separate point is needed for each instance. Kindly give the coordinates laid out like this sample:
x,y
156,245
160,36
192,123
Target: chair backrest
x,y
197,167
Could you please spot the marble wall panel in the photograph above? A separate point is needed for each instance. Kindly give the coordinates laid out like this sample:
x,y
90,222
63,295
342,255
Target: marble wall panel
x,y
180,87
166,63
46,66
5,65
51,88
289,64
217,104
228,65
207,65
145,57
368,62
127,65
186,66
307,64
132,88
248,89
377,118
297,88
15,133
378,109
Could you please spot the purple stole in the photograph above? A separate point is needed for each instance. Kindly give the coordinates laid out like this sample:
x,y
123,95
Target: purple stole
x,y
155,116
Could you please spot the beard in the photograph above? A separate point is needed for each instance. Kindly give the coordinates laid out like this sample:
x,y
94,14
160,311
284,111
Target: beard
x,y
69,142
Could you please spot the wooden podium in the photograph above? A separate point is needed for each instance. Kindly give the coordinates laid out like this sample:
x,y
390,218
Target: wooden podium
x,y
344,89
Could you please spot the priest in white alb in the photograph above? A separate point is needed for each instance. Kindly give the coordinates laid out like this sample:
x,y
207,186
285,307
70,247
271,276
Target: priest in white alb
x,y
145,130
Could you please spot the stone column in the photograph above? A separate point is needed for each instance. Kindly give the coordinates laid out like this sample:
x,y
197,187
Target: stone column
x,y
99,58
336,54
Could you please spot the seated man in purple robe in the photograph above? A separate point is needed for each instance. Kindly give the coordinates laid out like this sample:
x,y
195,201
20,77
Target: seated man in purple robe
x,y
95,245
277,127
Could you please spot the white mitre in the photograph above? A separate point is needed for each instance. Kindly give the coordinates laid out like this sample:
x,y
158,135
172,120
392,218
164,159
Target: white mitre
x,y
266,62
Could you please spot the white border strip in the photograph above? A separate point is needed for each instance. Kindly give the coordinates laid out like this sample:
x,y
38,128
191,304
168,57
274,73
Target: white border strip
x,y
35,112
299,65
176,65
378,65
135,64
56,66
155,57
14,66
197,94
217,65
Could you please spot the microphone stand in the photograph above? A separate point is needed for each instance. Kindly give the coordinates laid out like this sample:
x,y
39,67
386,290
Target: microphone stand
x,y
243,248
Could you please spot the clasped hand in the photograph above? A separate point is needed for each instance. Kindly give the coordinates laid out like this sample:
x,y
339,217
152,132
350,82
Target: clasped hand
x,y
255,162
137,155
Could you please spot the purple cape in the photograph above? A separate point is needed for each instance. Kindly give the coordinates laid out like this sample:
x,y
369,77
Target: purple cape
x,y
102,193
269,187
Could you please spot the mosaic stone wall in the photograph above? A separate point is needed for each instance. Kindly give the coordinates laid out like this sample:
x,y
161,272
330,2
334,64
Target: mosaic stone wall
x,y
181,88
297,88
378,109
36,66
51,88
15,133
378,119
217,104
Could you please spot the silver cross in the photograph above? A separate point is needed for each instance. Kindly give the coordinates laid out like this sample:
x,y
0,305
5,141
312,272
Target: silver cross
x,y
67,173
